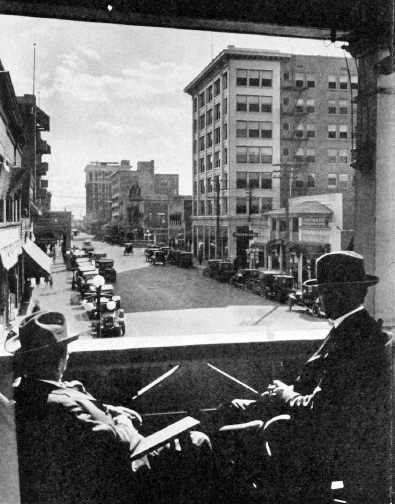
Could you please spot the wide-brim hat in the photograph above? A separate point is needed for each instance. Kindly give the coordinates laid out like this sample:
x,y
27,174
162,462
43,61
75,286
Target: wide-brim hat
x,y
39,331
339,268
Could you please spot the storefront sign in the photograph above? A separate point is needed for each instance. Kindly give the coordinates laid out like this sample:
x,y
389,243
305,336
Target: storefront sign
x,y
314,221
248,234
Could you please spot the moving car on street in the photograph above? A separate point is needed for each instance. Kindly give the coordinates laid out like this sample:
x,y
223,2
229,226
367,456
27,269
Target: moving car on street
x,y
128,248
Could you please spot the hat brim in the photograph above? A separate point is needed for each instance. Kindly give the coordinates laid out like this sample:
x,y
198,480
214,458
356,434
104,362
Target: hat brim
x,y
16,347
370,280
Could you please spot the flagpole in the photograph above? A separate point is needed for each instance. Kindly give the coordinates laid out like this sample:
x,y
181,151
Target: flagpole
x,y
34,127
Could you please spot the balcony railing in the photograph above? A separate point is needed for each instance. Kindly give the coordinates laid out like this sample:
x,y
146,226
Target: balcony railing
x,y
43,147
42,169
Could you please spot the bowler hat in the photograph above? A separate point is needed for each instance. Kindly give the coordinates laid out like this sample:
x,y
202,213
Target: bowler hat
x,y
343,267
41,330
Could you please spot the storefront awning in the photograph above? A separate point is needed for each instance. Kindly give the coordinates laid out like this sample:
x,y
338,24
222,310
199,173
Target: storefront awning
x,y
39,257
9,256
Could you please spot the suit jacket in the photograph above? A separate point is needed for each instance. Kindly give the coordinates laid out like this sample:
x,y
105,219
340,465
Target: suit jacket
x,y
341,407
70,450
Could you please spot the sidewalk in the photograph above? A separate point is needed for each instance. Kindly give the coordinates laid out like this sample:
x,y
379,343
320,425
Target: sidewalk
x,y
57,298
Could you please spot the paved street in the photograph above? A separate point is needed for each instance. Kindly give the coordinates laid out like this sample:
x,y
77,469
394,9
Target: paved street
x,y
175,301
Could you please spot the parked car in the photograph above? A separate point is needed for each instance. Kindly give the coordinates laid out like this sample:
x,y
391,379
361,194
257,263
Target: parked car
x,y
107,270
158,256
225,271
98,255
112,322
279,287
307,297
87,246
212,268
185,259
259,284
244,278
149,251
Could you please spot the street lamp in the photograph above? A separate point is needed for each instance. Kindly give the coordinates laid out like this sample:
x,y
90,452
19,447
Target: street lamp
x,y
98,281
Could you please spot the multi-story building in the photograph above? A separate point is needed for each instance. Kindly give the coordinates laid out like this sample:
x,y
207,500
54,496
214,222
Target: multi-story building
x,y
180,221
98,191
37,198
20,258
140,201
266,126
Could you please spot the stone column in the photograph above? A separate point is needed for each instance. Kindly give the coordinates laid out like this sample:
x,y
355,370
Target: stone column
x,y
385,200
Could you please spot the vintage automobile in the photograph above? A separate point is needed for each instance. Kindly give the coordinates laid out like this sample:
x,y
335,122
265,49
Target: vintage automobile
x,y
128,248
112,321
259,284
91,294
91,306
244,278
87,246
225,271
307,298
158,256
149,251
98,255
185,259
279,287
107,270
212,268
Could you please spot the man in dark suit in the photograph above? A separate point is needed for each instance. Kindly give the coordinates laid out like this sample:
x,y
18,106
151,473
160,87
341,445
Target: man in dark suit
x,y
74,450
333,422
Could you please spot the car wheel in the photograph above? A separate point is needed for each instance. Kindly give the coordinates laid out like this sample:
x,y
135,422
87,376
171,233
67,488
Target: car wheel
x,y
315,310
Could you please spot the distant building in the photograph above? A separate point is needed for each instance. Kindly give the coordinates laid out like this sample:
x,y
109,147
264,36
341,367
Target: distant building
x,y
259,117
180,221
140,201
98,191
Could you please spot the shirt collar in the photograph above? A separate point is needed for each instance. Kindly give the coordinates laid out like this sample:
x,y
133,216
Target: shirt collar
x,y
339,320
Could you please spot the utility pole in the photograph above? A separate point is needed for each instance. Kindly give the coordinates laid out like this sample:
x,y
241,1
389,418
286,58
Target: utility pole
x,y
217,211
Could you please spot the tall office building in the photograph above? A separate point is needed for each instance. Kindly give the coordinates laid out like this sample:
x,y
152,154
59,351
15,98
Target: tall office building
x,y
98,191
266,126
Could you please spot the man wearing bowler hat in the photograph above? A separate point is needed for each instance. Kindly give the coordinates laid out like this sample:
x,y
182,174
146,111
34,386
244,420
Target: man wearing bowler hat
x,y
333,422
74,450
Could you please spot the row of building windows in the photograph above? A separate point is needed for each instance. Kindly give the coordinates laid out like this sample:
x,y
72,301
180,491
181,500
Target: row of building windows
x,y
254,180
208,162
303,155
207,141
309,80
254,155
206,119
253,205
211,91
308,131
302,105
254,129
211,184
254,78
254,103
98,176
243,206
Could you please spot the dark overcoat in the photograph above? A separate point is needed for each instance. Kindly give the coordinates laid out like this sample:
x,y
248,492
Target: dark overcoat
x,y
69,449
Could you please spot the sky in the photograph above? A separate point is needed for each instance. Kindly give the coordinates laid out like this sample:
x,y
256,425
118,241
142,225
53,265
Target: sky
x,y
116,92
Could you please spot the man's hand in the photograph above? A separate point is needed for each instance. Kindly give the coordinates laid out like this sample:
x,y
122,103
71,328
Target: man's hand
x,y
121,410
281,390
242,404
